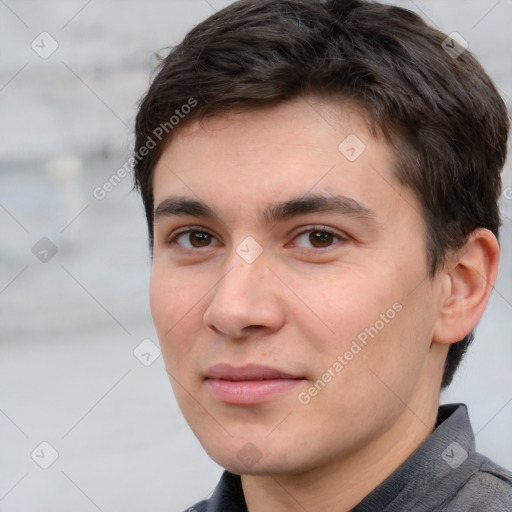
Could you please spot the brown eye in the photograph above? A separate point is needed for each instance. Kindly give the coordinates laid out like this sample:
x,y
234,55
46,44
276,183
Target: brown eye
x,y
198,239
321,238
317,239
193,239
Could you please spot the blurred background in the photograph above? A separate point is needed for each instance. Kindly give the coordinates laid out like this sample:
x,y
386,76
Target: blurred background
x,y
87,416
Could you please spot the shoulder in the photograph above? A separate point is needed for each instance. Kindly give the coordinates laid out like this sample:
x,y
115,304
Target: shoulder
x,y
488,489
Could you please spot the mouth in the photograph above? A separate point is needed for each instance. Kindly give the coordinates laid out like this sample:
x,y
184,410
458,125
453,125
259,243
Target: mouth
x,y
250,384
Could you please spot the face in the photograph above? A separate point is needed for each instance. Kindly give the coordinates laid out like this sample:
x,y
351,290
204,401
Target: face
x,y
289,287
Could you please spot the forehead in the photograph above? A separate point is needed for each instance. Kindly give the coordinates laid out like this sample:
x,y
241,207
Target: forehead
x,y
254,158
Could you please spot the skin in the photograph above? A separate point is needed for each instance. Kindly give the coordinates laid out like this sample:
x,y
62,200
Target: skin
x,y
301,303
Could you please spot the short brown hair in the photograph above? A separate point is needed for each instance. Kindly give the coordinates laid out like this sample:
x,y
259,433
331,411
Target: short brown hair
x,y
439,112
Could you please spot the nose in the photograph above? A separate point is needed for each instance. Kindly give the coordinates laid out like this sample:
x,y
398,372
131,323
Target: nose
x,y
245,301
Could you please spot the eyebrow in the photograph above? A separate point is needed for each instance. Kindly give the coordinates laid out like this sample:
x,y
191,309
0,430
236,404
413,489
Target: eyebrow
x,y
178,206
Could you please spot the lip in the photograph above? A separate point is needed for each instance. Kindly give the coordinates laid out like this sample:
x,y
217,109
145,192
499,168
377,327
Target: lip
x,y
249,384
226,371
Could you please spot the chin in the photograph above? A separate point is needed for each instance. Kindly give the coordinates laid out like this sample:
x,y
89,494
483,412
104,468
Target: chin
x,y
246,458
259,468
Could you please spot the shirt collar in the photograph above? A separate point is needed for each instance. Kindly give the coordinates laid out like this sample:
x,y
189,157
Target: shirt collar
x,y
444,462
228,495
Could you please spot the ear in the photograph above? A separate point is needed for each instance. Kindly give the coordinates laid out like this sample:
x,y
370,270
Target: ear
x,y
466,286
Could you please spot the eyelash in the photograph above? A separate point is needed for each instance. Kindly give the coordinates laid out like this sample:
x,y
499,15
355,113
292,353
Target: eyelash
x,y
311,229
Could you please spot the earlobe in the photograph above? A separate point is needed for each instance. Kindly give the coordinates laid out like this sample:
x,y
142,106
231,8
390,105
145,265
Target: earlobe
x,y
468,282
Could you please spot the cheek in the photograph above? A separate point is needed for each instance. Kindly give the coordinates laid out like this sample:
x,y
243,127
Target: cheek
x,y
172,296
162,298
371,320
175,306
343,306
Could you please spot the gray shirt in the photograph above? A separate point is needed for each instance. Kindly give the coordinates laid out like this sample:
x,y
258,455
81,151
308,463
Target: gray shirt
x,y
444,474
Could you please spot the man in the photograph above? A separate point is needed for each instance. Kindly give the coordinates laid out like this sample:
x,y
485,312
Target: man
x,y
321,183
